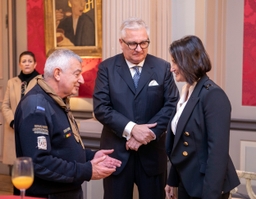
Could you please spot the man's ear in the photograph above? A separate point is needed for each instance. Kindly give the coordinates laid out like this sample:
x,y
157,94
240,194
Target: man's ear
x,y
120,43
56,74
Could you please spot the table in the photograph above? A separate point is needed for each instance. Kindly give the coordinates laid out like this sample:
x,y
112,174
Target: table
x,y
17,197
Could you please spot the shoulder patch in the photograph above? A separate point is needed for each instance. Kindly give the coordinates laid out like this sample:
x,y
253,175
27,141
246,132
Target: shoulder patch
x,y
40,108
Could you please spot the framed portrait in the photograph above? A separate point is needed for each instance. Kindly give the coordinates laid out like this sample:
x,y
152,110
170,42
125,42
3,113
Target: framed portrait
x,y
74,24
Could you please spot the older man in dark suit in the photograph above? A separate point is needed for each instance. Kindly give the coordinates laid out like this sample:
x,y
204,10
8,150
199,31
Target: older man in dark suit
x,y
134,98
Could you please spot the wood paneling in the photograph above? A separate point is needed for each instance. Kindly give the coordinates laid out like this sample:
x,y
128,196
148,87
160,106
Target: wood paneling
x,y
6,187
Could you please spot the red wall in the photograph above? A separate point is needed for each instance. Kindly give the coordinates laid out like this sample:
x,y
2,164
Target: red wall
x,y
249,55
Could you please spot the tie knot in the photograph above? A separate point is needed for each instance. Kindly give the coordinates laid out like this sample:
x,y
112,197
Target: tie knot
x,y
137,69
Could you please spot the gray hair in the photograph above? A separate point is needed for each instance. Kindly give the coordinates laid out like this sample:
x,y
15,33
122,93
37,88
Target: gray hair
x,y
59,59
133,24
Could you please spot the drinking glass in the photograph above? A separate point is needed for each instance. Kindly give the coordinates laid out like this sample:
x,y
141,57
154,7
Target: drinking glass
x,y
22,174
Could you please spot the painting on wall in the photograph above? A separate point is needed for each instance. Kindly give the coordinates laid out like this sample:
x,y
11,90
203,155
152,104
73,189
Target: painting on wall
x,y
74,24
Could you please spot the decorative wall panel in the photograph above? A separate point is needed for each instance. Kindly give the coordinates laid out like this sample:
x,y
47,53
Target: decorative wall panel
x,y
249,55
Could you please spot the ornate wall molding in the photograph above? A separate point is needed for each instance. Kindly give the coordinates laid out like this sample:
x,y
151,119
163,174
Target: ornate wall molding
x,y
242,124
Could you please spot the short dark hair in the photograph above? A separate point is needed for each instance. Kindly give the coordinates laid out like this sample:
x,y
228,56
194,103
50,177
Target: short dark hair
x,y
28,53
191,57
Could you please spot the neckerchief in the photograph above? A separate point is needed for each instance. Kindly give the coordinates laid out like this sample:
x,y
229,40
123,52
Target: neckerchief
x,y
63,103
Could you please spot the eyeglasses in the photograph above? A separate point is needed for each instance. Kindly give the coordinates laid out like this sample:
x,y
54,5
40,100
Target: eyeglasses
x,y
134,45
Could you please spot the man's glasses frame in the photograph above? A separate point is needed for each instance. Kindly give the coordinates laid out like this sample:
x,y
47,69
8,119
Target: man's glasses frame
x,y
134,45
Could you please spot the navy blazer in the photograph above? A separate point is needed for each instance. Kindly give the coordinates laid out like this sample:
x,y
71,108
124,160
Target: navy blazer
x,y
199,151
117,102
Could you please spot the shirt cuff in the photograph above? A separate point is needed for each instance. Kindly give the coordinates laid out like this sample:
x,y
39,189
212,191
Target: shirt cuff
x,y
128,130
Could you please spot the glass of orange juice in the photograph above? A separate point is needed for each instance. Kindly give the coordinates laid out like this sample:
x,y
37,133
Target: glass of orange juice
x,y
22,174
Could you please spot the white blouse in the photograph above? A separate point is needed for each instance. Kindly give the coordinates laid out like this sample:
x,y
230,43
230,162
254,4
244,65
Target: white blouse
x,y
186,92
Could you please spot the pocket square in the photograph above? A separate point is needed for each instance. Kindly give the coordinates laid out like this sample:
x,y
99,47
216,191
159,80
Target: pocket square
x,y
153,83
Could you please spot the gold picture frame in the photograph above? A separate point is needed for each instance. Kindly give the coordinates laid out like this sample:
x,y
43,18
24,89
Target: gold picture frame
x,y
51,42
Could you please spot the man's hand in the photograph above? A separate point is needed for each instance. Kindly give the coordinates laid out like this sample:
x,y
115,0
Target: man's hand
x,y
108,161
142,133
103,165
132,144
98,170
170,193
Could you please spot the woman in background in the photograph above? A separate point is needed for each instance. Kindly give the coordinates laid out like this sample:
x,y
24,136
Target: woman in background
x,y
197,141
16,88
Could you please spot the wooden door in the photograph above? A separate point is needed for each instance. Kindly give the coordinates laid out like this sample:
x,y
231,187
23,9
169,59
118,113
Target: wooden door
x,y
5,58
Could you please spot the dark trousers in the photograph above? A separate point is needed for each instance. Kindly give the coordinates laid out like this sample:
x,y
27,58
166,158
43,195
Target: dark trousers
x,y
182,194
74,194
121,186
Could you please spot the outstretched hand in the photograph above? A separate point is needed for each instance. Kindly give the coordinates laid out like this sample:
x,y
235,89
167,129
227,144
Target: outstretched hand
x,y
108,161
103,165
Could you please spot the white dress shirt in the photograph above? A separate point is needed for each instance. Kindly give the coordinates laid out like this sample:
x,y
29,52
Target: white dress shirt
x,y
186,92
128,128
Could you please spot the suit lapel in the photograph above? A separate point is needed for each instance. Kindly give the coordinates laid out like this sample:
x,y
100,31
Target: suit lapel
x,y
194,98
144,77
184,118
124,71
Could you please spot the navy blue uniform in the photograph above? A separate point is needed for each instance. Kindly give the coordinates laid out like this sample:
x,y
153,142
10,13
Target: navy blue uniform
x,y
43,132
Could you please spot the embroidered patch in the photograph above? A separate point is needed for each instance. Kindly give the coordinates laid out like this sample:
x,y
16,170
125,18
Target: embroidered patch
x,y
66,130
67,135
41,142
40,129
40,108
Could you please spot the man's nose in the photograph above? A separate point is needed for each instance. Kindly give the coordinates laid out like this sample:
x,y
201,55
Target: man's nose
x,y
81,79
138,48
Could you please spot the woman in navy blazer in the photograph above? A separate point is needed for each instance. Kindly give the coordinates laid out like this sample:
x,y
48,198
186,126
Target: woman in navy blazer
x,y
197,141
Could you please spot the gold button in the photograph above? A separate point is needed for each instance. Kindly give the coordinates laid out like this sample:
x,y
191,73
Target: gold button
x,y
185,153
185,143
186,133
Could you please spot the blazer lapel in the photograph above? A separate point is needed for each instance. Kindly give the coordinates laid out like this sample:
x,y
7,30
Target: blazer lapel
x,y
194,98
184,118
124,71
146,74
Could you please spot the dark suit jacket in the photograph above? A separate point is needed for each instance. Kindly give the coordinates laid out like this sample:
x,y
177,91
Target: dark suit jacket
x,y
85,31
199,151
116,102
